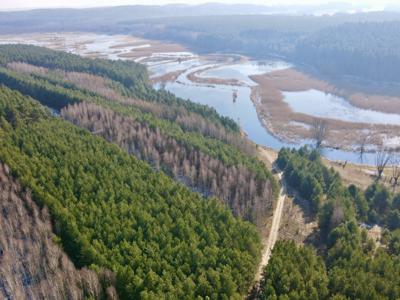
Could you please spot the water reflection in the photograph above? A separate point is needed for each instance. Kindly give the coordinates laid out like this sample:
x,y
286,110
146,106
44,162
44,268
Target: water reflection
x,y
319,104
243,71
243,111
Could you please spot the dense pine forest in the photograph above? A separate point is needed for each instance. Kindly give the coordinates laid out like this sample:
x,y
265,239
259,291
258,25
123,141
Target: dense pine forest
x,y
113,211
348,264
362,50
305,172
154,197
137,182
190,142
30,253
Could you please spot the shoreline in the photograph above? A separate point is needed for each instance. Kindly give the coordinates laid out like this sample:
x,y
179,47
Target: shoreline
x,y
301,125
275,113
290,127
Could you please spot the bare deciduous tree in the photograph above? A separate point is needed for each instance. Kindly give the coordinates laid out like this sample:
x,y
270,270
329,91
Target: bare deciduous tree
x,y
382,158
101,86
319,131
32,265
237,186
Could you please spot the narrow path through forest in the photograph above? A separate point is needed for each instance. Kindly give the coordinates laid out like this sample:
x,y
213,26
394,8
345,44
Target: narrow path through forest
x,y
273,234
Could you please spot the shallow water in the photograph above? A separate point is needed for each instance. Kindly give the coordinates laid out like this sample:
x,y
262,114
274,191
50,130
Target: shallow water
x,y
243,111
241,72
220,97
323,105
159,69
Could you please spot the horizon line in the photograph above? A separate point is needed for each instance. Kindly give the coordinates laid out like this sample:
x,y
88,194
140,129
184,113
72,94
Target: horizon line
x,y
272,5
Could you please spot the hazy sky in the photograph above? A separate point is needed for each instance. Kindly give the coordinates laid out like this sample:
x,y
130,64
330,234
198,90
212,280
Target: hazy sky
x,y
20,4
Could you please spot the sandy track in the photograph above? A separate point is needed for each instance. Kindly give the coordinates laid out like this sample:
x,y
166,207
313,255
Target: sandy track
x,y
273,234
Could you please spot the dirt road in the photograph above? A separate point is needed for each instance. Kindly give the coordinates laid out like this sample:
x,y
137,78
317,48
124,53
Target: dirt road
x,y
273,234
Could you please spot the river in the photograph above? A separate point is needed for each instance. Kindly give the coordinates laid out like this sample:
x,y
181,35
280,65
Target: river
x,y
218,96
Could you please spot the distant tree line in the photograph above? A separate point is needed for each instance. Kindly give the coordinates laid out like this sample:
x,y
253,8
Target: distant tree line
x,y
363,50
365,46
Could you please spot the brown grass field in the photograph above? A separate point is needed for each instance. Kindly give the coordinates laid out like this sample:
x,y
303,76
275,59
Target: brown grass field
x,y
278,117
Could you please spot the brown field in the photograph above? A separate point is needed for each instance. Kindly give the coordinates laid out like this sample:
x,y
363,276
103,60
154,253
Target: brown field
x,y
202,80
300,81
297,223
223,60
277,116
155,47
360,175
169,77
136,42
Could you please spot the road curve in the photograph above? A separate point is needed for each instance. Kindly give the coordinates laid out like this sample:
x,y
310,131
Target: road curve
x,y
273,234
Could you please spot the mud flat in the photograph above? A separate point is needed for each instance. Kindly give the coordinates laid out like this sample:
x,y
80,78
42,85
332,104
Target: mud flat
x,y
96,45
279,117
169,77
154,47
194,77
235,72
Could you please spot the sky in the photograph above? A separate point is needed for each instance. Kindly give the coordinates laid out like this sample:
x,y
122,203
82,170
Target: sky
x,y
24,4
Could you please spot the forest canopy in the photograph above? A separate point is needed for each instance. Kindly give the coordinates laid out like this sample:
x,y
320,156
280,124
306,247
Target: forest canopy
x,y
112,210
348,265
191,143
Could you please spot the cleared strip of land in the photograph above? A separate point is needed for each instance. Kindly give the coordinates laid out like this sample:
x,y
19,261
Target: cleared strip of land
x,y
273,234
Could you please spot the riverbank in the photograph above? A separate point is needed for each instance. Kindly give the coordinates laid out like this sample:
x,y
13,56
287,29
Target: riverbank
x,y
194,77
168,77
224,82
279,118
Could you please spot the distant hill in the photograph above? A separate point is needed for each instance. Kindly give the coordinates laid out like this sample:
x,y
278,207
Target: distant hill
x,y
253,30
103,18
